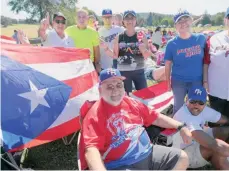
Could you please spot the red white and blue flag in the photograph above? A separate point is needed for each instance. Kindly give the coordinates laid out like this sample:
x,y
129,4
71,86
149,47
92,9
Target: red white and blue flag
x,y
42,90
156,97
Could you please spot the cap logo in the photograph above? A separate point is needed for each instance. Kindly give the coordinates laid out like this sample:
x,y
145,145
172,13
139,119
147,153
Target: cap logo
x,y
198,92
111,72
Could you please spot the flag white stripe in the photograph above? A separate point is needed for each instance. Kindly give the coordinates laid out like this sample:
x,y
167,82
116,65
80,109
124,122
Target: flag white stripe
x,y
72,107
65,71
7,41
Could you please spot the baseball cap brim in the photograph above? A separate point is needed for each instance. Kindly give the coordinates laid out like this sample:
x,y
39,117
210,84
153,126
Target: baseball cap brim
x,y
184,15
58,15
132,13
199,98
114,77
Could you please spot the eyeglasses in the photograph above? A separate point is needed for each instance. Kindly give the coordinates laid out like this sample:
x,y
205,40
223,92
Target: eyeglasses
x,y
197,102
60,21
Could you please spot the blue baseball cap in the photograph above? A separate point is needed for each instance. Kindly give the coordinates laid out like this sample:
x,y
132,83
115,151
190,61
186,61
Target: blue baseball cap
x,y
107,12
181,14
227,13
110,73
129,12
197,93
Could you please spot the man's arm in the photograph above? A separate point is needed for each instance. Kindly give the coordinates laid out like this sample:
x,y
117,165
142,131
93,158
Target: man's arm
x,y
168,65
94,159
223,120
167,122
207,141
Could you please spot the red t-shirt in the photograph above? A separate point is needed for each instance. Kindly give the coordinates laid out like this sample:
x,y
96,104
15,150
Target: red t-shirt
x,y
206,53
117,132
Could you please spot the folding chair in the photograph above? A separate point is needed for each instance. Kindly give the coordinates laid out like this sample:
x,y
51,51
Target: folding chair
x,y
83,111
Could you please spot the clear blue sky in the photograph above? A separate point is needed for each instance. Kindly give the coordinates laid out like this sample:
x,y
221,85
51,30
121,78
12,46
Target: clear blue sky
x,y
196,7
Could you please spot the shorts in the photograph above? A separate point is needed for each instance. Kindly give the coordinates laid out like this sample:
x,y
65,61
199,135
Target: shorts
x,y
193,151
219,105
161,158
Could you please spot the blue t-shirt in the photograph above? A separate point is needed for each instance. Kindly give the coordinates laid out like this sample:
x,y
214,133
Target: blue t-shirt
x,y
187,57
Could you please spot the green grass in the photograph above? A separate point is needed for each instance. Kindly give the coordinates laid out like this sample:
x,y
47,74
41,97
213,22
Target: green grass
x,y
29,29
53,156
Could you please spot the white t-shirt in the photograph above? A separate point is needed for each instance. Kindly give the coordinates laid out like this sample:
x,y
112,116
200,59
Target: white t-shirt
x,y
157,38
54,40
193,122
218,72
108,35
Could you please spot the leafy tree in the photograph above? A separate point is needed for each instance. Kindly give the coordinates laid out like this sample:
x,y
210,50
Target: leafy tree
x,y
38,8
206,19
149,19
218,19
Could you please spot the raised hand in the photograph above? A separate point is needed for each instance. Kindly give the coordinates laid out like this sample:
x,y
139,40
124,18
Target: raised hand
x,y
22,37
45,22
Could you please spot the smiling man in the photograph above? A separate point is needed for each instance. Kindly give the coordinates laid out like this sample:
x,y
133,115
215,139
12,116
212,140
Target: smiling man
x,y
113,136
210,144
85,37
55,37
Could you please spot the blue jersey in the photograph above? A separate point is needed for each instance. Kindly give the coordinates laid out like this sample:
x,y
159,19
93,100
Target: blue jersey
x,y
187,57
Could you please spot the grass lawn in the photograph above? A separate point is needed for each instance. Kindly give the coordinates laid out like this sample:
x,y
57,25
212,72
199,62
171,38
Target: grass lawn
x,y
53,156
29,29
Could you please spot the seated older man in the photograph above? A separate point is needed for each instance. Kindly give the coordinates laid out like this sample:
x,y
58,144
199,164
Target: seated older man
x,y
209,144
113,136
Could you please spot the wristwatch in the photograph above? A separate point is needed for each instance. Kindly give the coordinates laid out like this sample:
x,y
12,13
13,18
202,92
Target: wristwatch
x,y
181,126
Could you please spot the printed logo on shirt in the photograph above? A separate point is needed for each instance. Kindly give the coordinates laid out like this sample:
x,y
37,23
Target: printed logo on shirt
x,y
109,38
222,48
120,129
189,52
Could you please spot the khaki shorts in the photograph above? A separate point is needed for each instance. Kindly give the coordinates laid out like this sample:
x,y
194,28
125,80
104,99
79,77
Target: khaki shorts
x,y
193,151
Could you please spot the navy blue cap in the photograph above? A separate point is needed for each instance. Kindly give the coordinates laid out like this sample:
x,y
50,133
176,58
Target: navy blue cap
x,y
106,12
110,73
129,12
197,93
181,14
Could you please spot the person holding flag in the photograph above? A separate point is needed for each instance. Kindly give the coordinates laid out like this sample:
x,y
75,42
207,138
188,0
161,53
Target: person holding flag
x,y
85,37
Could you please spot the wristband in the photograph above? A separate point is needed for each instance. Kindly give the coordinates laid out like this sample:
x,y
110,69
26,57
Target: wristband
x,y
181,126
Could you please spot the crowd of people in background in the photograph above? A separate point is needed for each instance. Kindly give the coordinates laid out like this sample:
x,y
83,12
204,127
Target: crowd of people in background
x,y
194,66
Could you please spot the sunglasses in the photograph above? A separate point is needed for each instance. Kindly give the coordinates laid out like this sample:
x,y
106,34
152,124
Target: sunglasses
x,y
60,21
196,102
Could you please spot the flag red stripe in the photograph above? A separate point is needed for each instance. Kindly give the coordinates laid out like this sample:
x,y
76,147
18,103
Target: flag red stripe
x,y
163,103
7,38
52,134
33,55
82,83
151,92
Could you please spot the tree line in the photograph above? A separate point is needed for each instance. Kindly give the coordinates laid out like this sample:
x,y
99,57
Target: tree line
x,y
36,9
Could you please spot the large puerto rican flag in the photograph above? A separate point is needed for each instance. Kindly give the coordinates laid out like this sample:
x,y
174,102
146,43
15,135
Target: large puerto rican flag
x,y
42,90
156,97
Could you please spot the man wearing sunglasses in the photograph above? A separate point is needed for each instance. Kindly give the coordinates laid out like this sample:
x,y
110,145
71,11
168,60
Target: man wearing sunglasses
x,y
209,144
55,37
